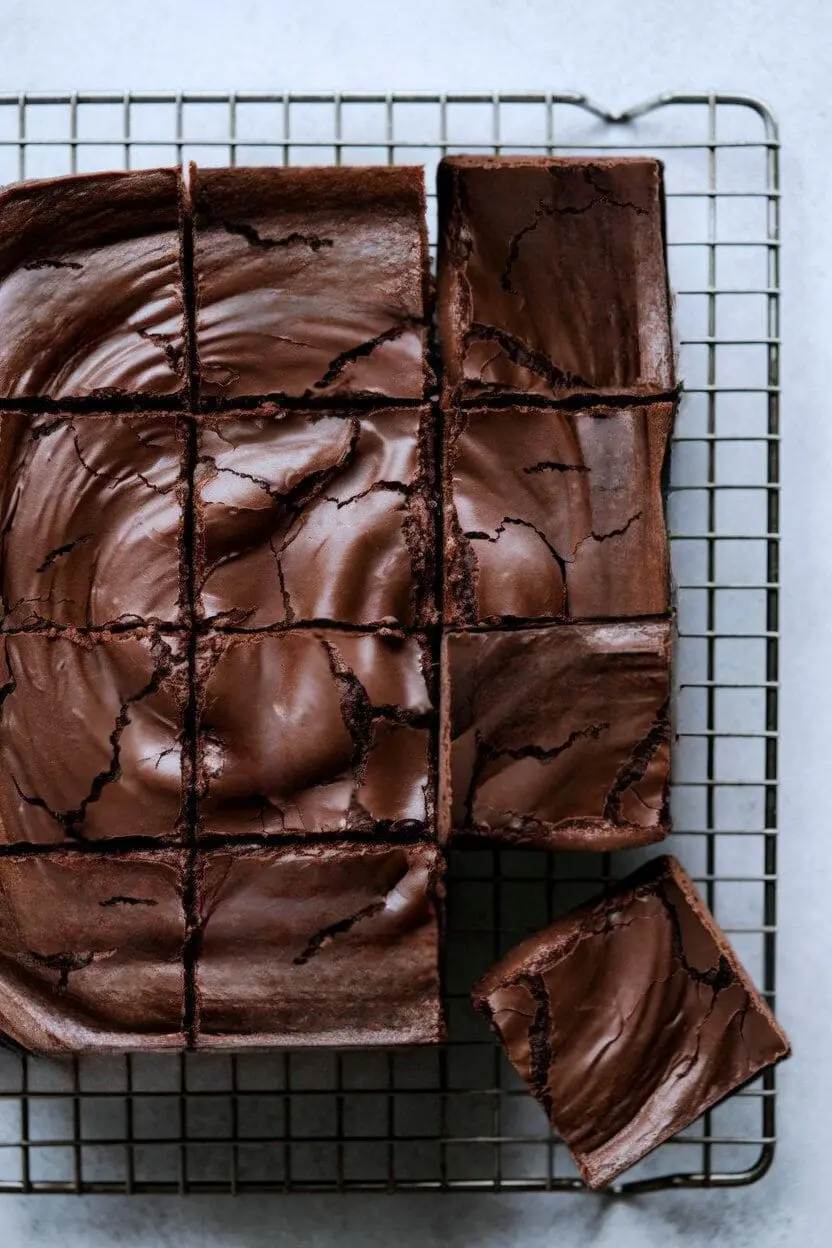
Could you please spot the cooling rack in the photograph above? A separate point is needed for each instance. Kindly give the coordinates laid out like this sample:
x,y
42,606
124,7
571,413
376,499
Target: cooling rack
x,y
458,1119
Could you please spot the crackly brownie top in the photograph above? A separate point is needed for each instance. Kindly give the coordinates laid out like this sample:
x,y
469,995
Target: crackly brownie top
x,y
310,282
91,289
552,277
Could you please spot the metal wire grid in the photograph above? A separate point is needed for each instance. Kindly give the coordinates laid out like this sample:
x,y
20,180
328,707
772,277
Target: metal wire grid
x,y
458,1118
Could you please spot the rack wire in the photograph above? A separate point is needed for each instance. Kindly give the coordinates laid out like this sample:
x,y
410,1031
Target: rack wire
x,y
458,1119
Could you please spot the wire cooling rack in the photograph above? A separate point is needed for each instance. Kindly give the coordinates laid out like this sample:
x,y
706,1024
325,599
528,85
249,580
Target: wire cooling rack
x,y
458,1118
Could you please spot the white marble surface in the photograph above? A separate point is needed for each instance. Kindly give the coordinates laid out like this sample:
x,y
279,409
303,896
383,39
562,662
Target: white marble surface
x,y
618,52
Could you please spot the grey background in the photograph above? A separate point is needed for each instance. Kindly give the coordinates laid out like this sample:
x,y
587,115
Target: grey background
x,y
618,53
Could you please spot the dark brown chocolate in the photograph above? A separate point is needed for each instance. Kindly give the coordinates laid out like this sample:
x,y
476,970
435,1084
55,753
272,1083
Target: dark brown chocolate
x,y
91,951
90,737
305,516
630,1017
555,514
558,737
310,282
332,944
315,731
91,519
552,278
91,291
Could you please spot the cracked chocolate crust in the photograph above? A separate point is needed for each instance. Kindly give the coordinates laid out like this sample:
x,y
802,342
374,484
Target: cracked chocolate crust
x,y
630,1017
279,309
92,520
326,944
91,732
91,289
316,732
558,737
305,516
552,278
555,515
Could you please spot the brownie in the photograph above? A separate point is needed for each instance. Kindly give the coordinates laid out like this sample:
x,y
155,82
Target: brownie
x,y
332,944
310,282
90,737
629,1018
552,278
91,951
315,731
553,514
313,515
558,737
91,519
91,290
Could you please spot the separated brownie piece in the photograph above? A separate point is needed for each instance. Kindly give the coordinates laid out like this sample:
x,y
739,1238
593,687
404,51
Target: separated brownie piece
x,y
558,737
630,1017
91,951
91,519
316,516
319,945
316,732
552,277
91,292
553,514
90,736
310,282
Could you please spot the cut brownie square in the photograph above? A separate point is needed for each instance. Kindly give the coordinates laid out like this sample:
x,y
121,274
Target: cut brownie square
x,y
314,731
90,737
310,282
558,737
331,944
91,951
91,289
553,514
304,516
629,1018
552,277
92,519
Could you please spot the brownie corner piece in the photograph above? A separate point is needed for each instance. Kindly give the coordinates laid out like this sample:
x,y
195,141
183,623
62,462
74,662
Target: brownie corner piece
x,y
558,737
92,951
311,282
334,944
316,732
552,277
629,1018
91,288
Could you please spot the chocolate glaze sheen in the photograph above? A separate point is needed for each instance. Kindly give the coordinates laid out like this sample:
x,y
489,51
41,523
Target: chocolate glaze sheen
x,y
91,951
552,277
91,291
558,737
305,516
629,1018
315,731
90,737
555,514
92,519
310,282
319,945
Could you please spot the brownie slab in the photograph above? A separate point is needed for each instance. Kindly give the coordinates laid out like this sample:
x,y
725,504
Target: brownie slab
x,y
305,516
91,951
557,737
91,737
552,277
91,519
91,291
319,945
315,731
630,1017
552,514
310,282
